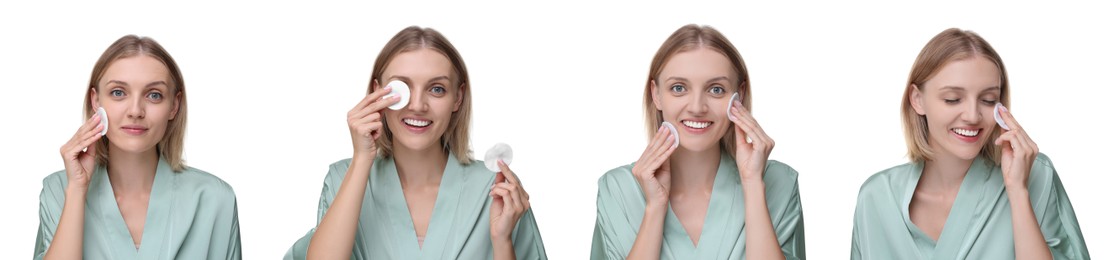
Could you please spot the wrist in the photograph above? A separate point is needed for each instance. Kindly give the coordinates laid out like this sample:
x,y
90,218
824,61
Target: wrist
x,y
76,190
653,209
500,243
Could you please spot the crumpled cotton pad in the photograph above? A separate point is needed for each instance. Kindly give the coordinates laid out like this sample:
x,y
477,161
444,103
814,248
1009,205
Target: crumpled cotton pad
x,y
998,116
104,120
500,151
399,88
730,103
673,131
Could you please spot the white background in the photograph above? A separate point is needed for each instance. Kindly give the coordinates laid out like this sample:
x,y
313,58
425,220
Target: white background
x,y
269,85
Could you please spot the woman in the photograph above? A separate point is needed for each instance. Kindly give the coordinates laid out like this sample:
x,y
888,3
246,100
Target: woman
x,y
128,194
411,189
690,201
973,189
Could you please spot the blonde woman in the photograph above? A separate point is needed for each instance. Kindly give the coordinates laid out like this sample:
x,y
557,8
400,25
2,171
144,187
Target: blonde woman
x,y
411,189
128,194
691,201
972,189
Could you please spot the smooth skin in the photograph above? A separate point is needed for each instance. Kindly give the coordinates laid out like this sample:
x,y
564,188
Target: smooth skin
x,y
698,91
134,93
962,95
428,73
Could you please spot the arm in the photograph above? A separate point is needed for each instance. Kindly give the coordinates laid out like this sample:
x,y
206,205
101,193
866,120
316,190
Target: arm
x,y
761,241
67,241
1018,154
647,245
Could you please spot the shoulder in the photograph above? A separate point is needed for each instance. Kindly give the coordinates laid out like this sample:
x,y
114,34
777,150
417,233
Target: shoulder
x,y
54,188
780,170
477,168
1043,172
617,176
193,180
56,180
885,179
338,169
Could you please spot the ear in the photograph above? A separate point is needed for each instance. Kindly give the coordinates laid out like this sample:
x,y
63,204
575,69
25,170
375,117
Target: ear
x,y
654,94
460,96
93,100
374,86
916,98
177,103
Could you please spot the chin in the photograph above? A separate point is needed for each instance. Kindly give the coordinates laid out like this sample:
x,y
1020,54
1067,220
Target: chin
x,y
698,145
414,143
132,147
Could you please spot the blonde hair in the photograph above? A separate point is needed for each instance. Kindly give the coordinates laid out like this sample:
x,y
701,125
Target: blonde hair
x,y
950,45
687,38
170,147
413,38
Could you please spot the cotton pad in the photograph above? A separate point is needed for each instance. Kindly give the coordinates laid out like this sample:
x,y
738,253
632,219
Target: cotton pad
x,y
104,120
673,131
730,103
400,89
998,116
500,151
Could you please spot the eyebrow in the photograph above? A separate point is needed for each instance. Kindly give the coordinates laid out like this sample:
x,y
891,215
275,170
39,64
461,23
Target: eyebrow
x,y
958,88
407,79
709,81
152,84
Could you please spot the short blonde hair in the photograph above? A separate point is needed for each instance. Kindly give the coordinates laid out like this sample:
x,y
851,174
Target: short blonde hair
x,y
950,45
170,147
687,38
412,38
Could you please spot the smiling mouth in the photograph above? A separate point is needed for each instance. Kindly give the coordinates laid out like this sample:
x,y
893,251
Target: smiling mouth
x,y
416,122
966,132
697,125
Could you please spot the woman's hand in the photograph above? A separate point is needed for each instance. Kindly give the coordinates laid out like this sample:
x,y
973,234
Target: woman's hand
x,y
508,202
750,156
80,153
1018,153
365,122
652,169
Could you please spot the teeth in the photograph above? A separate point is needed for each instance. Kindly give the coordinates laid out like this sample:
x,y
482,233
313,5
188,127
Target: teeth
x,y
697,125
965,132
416,122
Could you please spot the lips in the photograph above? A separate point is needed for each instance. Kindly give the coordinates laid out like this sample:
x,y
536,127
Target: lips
x,y
696,124
414,122
134,129
967,135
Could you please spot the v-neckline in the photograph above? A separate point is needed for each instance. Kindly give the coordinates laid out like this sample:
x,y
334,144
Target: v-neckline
x,y
156,215
435,233
963,207
719,185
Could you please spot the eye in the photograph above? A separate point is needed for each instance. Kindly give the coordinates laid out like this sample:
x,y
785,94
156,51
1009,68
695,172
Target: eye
x,y
438,90
717,90
155,96
951,100
116,93
677,88
990,101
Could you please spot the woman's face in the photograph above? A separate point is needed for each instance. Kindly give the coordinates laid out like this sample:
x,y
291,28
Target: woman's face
x,y
433,99
692,93
958,103
135,93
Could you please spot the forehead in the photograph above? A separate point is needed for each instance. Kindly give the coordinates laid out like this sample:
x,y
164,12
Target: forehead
x,y
698,64
420,63
136,71
974,74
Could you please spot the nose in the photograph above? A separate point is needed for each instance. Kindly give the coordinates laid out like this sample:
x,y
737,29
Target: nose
x,y
136,108
417,102
971,113
698,105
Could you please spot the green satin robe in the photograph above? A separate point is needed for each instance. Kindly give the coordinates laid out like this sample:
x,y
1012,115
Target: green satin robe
x,y
979,225
190,215
458,229
620,206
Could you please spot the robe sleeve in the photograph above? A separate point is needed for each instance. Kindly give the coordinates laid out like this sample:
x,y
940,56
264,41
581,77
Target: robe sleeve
x,y
784,202
51,199
1054,212
611,239
328,193
527,239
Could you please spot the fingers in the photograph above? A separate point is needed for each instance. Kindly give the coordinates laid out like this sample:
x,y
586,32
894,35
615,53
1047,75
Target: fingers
x,y
507,173
753,130
1010,120
513,195
86,135
372,103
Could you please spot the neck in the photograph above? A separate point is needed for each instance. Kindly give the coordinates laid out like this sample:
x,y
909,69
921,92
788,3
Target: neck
x,y
693,171
944,171
132,172
420,167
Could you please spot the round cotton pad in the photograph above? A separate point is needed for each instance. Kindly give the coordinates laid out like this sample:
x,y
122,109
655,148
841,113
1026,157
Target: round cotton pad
x,y
104,120
998,116
498,152
399,88
673,131
730,103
